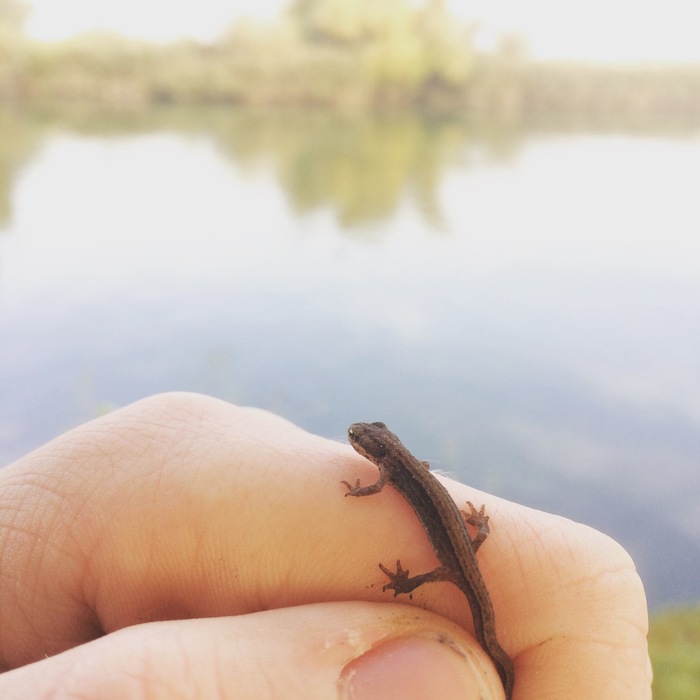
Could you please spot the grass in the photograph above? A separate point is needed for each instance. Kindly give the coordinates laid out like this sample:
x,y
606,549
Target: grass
x,y
674,646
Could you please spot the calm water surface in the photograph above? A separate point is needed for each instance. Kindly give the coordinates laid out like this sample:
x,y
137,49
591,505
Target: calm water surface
x,y
523,310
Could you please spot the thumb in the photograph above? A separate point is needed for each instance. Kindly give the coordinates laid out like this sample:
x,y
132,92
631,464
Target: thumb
x,y
328,650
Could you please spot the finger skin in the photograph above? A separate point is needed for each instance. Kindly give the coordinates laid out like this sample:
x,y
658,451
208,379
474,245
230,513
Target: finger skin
x,y
259,655
183,506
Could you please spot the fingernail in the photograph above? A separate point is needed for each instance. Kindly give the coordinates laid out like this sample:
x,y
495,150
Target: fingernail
x,y
405,668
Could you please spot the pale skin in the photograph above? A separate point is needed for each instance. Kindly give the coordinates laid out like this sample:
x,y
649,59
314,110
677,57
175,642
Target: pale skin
x,y
185,547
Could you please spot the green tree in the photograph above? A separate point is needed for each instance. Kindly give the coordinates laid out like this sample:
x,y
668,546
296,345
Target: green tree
x,y
448,46
398,48
12,16
349,21
12,45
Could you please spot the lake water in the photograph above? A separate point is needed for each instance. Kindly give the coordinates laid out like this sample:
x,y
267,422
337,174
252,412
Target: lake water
x,y
523,309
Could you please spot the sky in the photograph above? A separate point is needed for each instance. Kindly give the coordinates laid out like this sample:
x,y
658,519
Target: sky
x,y
603,30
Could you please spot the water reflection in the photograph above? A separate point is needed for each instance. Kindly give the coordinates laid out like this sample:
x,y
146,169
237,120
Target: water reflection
x,y
19,139
359,167
526,313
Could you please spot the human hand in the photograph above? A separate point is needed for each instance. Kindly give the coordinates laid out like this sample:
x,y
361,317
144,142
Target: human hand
x,y
184,547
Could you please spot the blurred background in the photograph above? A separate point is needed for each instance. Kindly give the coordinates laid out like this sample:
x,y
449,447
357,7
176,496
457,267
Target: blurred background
x,y
477,222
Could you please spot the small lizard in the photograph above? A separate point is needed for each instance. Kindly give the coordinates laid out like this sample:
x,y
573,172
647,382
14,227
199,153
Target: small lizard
x,y
445,526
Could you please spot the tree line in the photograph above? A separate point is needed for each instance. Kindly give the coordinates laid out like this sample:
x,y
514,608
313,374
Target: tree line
x,y
349,55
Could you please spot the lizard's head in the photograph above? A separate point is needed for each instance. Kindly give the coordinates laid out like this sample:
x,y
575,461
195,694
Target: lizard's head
x,y
370,439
